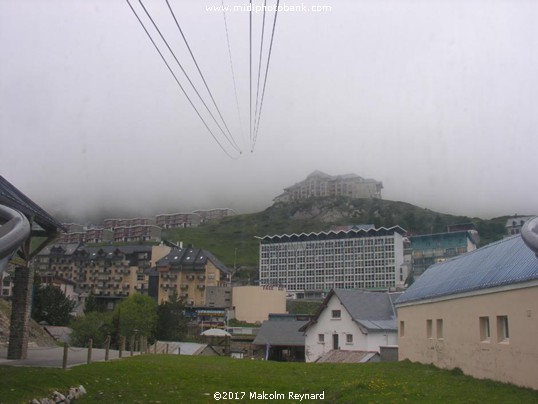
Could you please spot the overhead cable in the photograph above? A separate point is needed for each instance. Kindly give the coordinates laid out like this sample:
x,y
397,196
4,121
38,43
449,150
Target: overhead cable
x,y
232,68
177,81
260,64
200,71
186,75
266,74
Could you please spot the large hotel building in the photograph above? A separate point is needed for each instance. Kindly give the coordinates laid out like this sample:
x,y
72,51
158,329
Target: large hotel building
x,y
314,263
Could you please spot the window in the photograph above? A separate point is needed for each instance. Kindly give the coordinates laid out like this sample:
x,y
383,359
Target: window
x,y
336,314
402,329
484,329
503,334
321,338
349,338
429,328
439,328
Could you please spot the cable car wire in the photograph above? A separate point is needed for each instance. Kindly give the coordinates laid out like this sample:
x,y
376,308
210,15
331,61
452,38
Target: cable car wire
x,y
177,81
185,73
200,71
232,68
266,74
260,64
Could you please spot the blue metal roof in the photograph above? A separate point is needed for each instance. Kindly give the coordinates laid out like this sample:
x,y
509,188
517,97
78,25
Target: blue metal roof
x,y
505,262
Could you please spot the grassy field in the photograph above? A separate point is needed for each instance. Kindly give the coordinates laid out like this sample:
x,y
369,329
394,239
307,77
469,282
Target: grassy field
x,y
184,379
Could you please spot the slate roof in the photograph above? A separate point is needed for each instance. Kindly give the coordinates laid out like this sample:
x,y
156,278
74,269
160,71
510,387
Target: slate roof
x,y
373,311
344,356
13,198
190,257
506,262
281,333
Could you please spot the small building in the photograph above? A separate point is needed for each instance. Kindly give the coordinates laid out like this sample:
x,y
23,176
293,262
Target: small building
x,y
281,339
514,224
254,303
477,312
351,320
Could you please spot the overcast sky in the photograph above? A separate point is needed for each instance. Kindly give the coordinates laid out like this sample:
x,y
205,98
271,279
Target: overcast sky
x,y
436,99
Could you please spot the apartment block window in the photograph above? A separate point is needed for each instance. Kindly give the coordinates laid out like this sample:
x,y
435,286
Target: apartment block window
x,y
321,338
336,314
402,328
439,328
484,329
349,338
503,334
429,328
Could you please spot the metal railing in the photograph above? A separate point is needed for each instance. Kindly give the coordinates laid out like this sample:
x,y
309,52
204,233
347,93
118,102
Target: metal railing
x,y
14,230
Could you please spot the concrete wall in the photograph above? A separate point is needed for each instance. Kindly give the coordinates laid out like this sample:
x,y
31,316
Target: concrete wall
x,y
363,340
464,343
254,303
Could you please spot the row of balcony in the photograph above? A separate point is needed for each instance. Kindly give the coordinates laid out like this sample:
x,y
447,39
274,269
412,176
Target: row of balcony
x,y
182,287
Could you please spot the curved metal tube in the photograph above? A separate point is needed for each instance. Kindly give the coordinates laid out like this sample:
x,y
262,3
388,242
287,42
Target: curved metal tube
x,y
14,231
529,233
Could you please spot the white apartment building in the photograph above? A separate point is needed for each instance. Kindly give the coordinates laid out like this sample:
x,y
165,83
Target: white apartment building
x,y
310,264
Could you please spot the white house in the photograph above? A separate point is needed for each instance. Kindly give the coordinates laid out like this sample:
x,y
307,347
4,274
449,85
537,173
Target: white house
x,y
351,320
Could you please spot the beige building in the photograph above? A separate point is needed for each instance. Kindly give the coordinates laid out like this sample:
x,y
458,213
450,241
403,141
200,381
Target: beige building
x,y
110,273
319,184
254,303
189,272
175,220
477,312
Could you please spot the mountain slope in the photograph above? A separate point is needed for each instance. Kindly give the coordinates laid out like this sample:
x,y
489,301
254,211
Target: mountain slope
x,y
233,241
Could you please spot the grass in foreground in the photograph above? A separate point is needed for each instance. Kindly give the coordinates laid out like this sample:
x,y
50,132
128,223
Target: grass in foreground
x,y
184,379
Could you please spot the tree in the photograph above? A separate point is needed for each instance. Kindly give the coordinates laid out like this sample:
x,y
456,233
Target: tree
x,y
94,325
171,321
51,305
92,304
136,315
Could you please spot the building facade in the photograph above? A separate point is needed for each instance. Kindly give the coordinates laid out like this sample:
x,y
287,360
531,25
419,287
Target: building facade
x,y
476,312
314,263
175,220
514,224
137,233
137,221
253,304
351,320
214,214
110,273
319,184
429,249
188,273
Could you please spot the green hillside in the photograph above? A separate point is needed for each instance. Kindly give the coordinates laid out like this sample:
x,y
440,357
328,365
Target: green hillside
x,y
233,240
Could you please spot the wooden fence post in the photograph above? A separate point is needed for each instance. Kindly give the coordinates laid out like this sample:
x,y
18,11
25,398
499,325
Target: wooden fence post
x,y
131,344
122,345
107,347
90,346
64,361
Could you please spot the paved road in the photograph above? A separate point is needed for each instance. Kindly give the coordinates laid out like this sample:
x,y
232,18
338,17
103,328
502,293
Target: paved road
x,y
53,357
